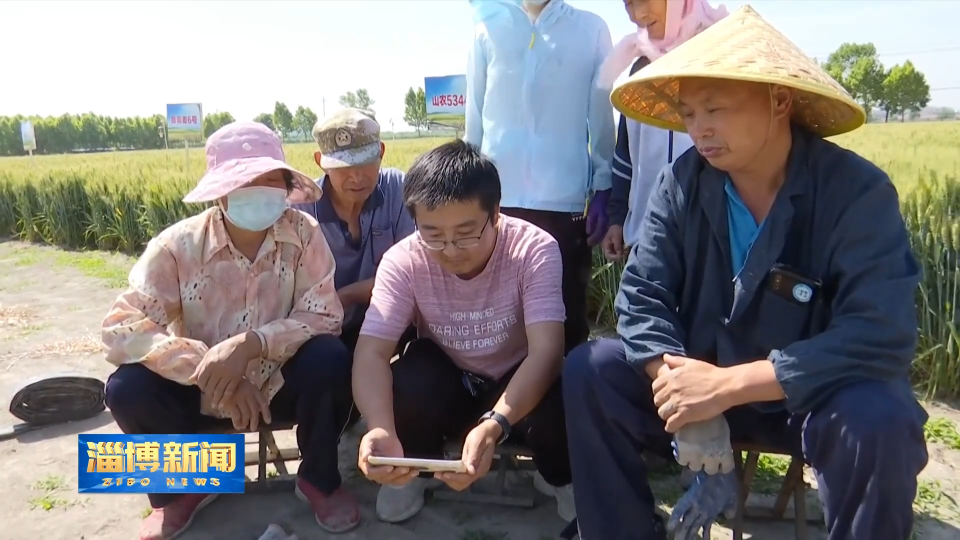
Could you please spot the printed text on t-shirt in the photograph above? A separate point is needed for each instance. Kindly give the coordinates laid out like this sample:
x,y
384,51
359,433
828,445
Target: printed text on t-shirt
x,y
476,330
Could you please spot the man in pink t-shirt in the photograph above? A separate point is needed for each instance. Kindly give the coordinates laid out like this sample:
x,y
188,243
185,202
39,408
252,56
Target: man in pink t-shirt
x,y
484,291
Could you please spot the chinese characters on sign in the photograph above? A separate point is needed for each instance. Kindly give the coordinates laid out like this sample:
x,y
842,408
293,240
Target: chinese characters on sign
x,y
161,463
184,120
449,100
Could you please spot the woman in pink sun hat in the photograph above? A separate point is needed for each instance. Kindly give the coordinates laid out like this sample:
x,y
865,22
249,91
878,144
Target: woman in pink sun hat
x,y
231,316
642,150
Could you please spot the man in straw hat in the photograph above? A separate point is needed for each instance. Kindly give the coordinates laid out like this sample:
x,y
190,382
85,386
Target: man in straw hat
x,y
769,299
231,315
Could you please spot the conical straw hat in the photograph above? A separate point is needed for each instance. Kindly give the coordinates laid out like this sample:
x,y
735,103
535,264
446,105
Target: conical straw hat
x,y
743,47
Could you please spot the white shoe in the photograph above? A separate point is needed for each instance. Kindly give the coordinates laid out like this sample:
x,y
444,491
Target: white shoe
x,y
564,496
396,504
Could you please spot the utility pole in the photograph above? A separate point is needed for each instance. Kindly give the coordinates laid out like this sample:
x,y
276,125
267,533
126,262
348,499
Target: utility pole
x,y
324,107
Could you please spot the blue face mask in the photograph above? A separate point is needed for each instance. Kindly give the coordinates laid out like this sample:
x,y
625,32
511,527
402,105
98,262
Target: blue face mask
x,y
256,208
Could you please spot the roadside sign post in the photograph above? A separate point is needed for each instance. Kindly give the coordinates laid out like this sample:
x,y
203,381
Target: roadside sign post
x,y
29,137
184,123
446,100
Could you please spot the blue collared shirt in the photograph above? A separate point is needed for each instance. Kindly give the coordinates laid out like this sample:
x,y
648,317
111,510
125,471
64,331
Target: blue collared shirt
x,y
742,226
383,222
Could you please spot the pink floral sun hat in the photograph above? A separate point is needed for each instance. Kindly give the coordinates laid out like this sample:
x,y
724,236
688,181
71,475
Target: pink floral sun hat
x,y
240,152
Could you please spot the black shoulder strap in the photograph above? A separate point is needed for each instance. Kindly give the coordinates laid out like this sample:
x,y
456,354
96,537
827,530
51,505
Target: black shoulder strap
x,y
641,63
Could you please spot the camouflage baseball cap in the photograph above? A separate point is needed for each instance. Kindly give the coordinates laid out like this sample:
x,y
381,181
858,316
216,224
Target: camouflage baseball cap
x,y
347,138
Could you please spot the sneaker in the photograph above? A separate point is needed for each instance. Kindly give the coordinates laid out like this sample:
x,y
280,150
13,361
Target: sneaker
x,y
174,519
400,503
564,496
335,513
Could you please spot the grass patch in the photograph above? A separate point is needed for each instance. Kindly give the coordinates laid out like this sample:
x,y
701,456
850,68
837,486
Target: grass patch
x,y
50,485
109,267
96,265
31,328
26,259
771,469
47,502
932,500
943,431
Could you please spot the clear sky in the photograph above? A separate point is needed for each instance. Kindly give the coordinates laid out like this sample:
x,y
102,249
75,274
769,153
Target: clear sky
x,y
131,58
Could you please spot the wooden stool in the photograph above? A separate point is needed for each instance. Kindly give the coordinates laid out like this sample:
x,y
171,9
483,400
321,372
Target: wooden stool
x,y
508,459
793,486
268,452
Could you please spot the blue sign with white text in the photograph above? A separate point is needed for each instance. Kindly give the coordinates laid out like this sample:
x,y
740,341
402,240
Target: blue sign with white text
x,y
119,463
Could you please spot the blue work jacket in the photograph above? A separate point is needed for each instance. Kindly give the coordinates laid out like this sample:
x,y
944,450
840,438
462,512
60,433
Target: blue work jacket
x,y
836,220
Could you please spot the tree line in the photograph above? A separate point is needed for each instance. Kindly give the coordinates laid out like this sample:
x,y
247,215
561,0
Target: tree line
x,y
89,132
94,133
897,91
900,90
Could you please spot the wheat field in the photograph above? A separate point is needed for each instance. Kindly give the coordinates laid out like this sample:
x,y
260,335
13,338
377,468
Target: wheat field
x,y
907,151
119,200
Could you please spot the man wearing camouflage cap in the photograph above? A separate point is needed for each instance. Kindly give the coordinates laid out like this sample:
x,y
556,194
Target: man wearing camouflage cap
x,y
361,212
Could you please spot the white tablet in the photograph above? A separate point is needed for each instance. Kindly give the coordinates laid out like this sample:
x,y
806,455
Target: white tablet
x,y
427,465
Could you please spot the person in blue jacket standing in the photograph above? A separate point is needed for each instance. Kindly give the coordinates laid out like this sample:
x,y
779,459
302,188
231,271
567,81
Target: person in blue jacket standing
x,y
535,109
769,299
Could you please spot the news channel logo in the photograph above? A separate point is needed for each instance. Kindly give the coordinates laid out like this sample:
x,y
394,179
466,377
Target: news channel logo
x,y
119,463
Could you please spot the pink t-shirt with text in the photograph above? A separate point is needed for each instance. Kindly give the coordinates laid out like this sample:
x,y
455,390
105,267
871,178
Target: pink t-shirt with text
x,y
480,322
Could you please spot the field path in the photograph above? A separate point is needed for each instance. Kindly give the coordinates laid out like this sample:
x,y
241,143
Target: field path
x,y
51,306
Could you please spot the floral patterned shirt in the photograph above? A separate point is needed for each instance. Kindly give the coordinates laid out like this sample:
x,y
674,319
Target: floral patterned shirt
x,y
192,289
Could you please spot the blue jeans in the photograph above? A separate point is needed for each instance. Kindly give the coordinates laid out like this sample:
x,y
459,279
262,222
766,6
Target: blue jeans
x,y
865,445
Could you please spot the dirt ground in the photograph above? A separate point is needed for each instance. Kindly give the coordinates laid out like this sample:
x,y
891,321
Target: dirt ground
x,y
51,306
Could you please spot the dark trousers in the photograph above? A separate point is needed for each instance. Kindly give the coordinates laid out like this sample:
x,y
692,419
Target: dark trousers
x,y
315,394
570,232
865,445
432,404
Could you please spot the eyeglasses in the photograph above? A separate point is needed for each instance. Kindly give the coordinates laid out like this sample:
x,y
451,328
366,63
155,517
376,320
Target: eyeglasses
x,y
459,243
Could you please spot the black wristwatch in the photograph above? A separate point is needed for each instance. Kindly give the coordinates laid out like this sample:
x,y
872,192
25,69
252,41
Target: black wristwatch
x,y
500,419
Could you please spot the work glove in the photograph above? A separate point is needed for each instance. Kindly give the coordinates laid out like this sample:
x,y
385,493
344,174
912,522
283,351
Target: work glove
x,y
708,497
597,221
705,446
